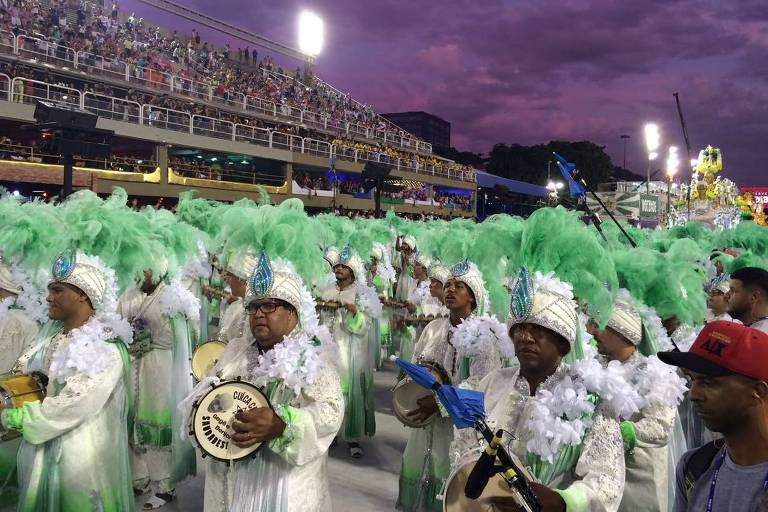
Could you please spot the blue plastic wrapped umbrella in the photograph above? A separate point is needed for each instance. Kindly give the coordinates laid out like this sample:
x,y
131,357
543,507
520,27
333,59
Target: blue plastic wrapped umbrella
x,y
465,406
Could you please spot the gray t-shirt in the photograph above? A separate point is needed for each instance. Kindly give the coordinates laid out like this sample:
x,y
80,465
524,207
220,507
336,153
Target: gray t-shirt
x,y
738,489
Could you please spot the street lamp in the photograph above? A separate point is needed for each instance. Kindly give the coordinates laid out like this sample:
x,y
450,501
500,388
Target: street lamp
x,y
311,33
652,139
625,137
673,162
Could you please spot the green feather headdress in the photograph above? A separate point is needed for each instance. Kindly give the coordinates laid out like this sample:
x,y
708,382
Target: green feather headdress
x,y
672,287
179,240
110,230
555,240
31,234
282,231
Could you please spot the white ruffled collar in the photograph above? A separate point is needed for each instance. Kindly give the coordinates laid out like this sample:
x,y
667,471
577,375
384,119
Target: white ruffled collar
x,y
88,349
476,334
296,361
564,404
656,383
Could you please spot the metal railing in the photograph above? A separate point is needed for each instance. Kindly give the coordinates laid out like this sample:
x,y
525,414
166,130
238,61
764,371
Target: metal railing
x,y
5,87
166,119
253,135
92,63
109,107
42,50
45,51
113,163
211,127
25,90
224,173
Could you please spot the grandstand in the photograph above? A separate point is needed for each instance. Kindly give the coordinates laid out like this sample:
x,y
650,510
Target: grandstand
x,y
209,118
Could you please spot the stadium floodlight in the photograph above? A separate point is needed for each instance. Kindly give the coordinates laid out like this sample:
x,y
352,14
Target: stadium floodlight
x,y
311,33
652,139
673,162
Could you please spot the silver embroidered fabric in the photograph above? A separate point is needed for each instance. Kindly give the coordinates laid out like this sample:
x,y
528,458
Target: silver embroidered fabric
x,y
598,475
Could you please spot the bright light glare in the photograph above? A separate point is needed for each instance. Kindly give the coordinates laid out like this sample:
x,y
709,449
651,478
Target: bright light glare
x,y
311,33
652,137
673,161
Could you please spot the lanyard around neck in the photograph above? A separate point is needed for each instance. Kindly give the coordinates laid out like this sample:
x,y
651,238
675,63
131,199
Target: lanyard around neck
x,y
713,484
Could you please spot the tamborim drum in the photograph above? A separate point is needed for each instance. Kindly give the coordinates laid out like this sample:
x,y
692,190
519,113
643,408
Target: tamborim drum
x,y
214,413
454,499
406,394
19,388
205,357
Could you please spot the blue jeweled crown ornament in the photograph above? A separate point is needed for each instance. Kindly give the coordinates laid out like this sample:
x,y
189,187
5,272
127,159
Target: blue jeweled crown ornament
x,y
521,302
346,254
64,265
460,268
262,277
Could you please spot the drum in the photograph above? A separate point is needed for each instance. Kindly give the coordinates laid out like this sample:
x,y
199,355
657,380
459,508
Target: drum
x,y
406,394
454,499
205,357
213,414
19,388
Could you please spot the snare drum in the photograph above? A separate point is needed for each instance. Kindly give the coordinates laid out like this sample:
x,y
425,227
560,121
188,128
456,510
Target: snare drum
x,y
406,394
18,388
205,357
454,499
213,414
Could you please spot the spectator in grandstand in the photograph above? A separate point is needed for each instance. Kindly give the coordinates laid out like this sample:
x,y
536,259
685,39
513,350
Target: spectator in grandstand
x,y
197,67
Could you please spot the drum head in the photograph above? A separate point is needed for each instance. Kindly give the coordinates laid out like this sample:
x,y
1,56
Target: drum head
x,y
405,398
16,389
455,500
214,414
205,357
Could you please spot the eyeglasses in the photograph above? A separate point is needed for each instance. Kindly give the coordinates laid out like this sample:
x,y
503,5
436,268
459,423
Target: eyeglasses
x,y
265,307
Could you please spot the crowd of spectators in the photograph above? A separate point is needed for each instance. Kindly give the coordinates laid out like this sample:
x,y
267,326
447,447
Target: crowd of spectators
x,y
153,54
37,152
192,167
214,121
462,201
312,181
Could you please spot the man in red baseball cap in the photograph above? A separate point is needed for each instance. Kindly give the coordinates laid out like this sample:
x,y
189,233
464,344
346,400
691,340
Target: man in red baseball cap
x,y
727,367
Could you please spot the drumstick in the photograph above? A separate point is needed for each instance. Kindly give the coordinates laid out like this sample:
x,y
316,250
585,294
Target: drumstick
x,y
512,474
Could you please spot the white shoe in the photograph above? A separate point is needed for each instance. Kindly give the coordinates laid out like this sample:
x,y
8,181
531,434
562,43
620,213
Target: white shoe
x,y
158,500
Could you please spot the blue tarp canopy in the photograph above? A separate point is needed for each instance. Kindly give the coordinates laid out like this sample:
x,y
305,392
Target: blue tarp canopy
x,y
486,180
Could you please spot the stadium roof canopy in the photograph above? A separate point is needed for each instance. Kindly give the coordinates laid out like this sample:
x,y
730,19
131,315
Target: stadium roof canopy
x,y
486,180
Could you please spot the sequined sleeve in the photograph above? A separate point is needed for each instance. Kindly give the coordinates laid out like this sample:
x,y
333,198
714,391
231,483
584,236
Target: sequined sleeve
x,y
313,422
654,426
81,397
599,470
482,365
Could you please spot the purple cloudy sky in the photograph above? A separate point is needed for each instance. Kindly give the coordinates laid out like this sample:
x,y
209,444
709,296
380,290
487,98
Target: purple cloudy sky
x,y
530,71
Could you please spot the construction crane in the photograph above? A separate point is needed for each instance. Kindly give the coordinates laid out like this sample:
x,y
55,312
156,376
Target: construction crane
x,y
687,148
682,123
226,28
